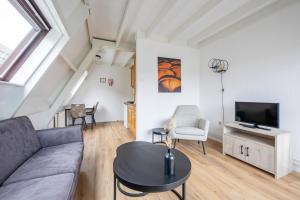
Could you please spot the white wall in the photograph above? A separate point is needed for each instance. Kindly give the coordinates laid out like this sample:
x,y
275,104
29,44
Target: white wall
x,y
264,66
10,98
153,108
110,99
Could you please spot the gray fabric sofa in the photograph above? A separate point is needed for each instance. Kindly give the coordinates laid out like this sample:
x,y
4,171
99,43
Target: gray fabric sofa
x,y
38,164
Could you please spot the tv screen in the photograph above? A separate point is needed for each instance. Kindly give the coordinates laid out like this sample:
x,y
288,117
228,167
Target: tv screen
x,y
266,114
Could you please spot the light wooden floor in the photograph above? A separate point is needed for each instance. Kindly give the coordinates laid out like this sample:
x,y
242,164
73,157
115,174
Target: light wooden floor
x,y
213,176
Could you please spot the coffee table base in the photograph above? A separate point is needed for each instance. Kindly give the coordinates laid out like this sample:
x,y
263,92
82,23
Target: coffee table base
x,y
141,194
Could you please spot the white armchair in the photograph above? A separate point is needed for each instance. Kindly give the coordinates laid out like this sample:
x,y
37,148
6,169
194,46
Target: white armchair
x,y
187,124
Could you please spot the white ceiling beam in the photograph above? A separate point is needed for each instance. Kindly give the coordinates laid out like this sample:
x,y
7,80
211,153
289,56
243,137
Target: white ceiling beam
x,y
206,8
125,21
69,63
129,8
127,61
275,7
90,27
127,65
244,11
134,20
164,11
66,91
79,15
114,58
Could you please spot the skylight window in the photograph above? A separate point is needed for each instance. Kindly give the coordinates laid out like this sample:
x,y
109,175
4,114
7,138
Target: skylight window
x,y
22,28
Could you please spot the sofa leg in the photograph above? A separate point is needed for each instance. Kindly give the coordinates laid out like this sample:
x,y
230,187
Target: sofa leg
x,y
175,143
198,141
203,148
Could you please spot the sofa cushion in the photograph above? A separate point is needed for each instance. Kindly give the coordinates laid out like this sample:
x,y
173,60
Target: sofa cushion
x,y
49,161
189,131
18,142
56,187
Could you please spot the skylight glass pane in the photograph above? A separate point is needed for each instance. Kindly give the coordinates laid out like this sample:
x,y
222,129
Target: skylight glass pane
x,y
14,28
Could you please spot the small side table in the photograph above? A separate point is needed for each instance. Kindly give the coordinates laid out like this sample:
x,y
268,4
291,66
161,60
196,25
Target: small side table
x,y
159,131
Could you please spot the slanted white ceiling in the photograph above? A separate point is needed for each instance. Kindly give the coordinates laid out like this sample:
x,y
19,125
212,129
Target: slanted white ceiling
x,y
78,46
187,22
50,85
106,17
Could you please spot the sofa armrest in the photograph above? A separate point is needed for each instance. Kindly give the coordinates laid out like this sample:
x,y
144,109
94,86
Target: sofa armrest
x,y
58,136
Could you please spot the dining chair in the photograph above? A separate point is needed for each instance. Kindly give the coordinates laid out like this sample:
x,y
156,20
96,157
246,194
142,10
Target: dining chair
x,y
92,114
78,112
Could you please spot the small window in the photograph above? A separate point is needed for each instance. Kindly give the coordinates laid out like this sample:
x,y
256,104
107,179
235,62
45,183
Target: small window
x,y
22,28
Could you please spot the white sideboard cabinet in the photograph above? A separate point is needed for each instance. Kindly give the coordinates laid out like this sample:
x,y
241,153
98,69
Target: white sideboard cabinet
x,y
269,150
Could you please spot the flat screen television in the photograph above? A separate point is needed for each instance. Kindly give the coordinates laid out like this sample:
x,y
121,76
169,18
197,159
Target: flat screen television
x,y
265,114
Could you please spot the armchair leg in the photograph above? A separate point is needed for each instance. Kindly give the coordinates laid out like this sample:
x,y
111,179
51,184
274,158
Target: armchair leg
x,y
203,148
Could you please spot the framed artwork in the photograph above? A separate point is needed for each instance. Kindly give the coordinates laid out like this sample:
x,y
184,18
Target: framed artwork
x,y
169,75
102,80
110,81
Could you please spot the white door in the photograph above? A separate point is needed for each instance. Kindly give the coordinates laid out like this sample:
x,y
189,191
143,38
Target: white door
x,y
238,148
252,153
267,161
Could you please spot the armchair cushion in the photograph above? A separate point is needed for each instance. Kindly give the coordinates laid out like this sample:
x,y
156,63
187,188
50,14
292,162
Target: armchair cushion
x,y
58,136
189,131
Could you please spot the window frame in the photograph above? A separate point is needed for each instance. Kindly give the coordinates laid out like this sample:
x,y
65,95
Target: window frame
x,y
40,27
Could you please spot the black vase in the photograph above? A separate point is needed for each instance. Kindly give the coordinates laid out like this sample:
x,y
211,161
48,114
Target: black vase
x,y
169,163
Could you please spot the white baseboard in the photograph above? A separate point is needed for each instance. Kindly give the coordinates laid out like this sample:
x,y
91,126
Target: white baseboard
x,y
296,165
214,138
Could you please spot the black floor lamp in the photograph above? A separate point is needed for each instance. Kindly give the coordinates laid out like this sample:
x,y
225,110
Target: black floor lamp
x,y
219,66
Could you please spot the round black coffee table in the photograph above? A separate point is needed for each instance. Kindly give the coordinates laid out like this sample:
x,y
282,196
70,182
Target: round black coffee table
x,y
140,167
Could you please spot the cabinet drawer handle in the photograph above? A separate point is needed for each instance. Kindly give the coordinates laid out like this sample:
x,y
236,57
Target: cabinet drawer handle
x,y
242,149
247,151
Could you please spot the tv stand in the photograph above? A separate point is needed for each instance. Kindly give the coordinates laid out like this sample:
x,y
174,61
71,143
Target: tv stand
x,y
254,126
269,150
